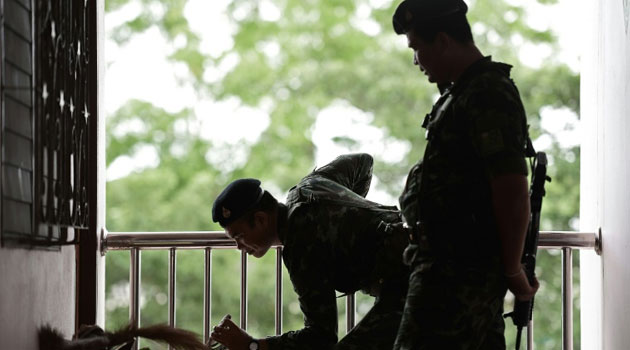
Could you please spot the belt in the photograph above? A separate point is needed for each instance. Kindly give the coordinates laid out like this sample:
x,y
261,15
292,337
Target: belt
x,y
423,234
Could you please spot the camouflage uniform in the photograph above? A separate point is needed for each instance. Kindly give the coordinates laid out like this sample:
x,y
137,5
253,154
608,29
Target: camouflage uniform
x,y
476,130
336,240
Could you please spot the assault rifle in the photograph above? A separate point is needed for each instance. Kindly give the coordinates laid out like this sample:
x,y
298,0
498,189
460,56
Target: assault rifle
x,y
522,313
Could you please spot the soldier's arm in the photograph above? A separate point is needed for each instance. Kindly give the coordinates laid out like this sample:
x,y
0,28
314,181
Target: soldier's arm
x,y
319,307
510,201
498,134
353,171
308,264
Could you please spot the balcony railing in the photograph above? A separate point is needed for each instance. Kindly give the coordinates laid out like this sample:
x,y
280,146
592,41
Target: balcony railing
x,y
210,240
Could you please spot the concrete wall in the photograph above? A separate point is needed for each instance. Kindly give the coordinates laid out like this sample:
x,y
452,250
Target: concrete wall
x,y
605,173
39,287
36,287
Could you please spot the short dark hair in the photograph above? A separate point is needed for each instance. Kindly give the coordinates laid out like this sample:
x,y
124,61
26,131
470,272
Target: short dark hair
x,y
456,26
427,18
267,204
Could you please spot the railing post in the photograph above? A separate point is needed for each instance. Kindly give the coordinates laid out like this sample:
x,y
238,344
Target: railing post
x,y
278,290
134,290
243,291
172,281
567,298
530,335
207,294
350,311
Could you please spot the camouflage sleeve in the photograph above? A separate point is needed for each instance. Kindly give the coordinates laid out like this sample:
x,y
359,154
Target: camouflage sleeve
x,y
308,261
498,128
353,171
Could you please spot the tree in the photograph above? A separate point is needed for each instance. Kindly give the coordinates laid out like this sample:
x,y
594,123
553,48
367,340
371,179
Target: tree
x,y
315,55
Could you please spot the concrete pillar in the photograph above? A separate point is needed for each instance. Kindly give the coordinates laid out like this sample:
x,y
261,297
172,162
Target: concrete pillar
x,y
605,173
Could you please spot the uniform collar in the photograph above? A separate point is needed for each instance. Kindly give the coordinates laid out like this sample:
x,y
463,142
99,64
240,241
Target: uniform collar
x,y
283,217
480,66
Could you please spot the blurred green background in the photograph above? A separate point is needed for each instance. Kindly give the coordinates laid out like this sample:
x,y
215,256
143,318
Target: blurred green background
x,y
305,80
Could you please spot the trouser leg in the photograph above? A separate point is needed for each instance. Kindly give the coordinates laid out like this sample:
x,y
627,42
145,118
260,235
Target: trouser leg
x,y
378,329
451,308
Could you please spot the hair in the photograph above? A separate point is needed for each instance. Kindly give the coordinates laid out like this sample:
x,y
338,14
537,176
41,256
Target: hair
x,y
267,204
94,338
456,26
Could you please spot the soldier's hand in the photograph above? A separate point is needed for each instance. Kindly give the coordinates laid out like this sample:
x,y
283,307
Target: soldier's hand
x,y
399,226
520,286
230,335
396,227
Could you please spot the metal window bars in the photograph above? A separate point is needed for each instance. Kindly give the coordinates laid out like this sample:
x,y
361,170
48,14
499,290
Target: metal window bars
x,y
209,240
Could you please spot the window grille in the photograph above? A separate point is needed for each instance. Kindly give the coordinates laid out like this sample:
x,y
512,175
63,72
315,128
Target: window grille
x,y
45,116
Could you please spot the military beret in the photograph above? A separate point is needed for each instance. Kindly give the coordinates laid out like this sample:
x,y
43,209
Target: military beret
x,y
410,12
236,199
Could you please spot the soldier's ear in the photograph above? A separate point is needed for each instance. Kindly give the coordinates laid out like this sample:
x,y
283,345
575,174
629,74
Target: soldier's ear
x,y
261,218
442,42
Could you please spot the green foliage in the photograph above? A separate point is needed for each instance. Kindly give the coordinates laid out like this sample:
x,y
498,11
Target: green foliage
x,y
322,56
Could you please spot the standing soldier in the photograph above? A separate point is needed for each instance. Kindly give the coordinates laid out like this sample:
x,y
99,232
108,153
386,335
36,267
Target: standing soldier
x,y
466,201
334,240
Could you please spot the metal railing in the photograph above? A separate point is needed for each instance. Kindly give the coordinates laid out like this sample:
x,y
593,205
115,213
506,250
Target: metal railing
x,y
210,240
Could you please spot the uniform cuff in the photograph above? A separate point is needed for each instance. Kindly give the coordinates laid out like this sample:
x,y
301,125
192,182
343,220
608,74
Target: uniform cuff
x,y
507,165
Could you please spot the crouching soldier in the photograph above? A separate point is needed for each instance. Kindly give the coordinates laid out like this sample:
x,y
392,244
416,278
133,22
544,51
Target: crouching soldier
x,y
334,240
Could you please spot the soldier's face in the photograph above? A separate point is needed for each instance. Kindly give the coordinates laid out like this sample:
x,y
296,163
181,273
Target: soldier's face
x,y
428,57
254,238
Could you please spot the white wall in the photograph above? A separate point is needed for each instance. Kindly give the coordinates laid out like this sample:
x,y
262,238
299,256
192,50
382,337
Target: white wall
x,y
101,169
605,174
36,287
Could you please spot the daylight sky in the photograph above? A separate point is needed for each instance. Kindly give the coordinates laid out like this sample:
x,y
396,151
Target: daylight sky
x,y
140,70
